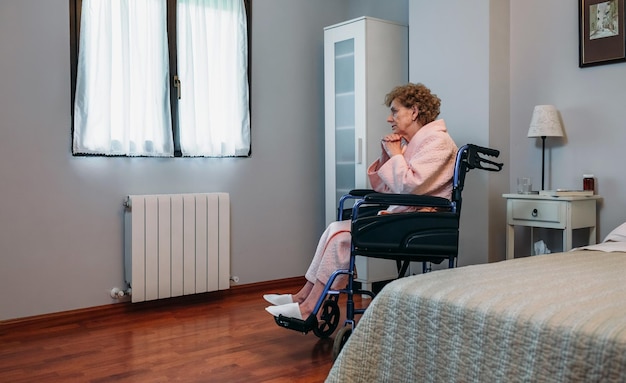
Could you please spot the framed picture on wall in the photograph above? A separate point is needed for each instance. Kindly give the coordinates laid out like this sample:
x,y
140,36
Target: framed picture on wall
x,y
601,32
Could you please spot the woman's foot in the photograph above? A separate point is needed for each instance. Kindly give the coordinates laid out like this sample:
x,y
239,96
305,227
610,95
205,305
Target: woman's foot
x,y
304,302
290,310
278,299
283,299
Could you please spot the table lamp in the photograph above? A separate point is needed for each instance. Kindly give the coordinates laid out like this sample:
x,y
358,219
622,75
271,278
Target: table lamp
x,y
545,123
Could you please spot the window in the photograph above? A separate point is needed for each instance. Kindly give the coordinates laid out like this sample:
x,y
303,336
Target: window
x,y
160,78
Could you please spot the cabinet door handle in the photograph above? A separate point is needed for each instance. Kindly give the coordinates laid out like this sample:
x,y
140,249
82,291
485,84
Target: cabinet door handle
x,y
534,213
178,87
360,151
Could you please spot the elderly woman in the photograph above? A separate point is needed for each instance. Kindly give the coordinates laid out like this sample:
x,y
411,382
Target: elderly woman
x,y
417,157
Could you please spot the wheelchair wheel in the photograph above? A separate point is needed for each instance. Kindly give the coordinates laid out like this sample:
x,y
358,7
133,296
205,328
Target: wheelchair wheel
x,y
329,318
340,339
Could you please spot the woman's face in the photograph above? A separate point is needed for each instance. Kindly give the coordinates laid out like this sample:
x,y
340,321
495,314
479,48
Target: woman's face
x,y
402,119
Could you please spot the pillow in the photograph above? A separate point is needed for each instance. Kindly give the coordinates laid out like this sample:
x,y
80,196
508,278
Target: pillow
x,y
618,234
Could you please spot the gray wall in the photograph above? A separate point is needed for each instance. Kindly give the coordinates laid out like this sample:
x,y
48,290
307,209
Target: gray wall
x,y
491,62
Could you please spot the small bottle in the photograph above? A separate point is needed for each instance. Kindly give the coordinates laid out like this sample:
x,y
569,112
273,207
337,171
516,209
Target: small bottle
x,y
589,182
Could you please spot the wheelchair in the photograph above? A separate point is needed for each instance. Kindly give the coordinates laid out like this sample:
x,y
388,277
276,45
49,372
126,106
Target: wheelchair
x,y
418,236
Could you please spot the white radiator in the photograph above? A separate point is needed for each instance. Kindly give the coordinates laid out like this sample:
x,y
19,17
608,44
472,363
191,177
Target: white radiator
x,y
176,244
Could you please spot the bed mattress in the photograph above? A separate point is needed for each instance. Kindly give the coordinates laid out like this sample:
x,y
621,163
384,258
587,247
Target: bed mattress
x,y
550,318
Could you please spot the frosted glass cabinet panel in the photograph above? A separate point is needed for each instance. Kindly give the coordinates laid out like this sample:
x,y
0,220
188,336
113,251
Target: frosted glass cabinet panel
x,y
344,118
364,59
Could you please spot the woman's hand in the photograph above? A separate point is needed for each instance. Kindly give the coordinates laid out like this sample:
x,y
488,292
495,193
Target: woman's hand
x,y
391,145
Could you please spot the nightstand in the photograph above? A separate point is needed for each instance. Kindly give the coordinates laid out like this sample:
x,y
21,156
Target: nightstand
x,y
561,213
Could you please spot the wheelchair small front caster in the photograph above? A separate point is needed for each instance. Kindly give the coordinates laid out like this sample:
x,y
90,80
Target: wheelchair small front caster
x,y
340,339
329,318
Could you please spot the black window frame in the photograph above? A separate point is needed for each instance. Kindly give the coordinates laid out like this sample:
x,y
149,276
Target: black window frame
x,y
75,15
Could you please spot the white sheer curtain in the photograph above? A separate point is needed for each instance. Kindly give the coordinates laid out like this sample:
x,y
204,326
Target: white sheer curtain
x,y
212,66
122,90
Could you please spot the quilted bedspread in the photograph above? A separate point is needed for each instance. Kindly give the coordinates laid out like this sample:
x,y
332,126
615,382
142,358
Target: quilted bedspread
x,y
551,318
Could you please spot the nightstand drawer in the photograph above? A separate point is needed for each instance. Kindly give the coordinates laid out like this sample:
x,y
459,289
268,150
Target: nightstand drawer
x,y
540,211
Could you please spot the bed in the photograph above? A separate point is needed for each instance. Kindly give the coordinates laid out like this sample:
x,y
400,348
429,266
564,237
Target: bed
x,y
550,318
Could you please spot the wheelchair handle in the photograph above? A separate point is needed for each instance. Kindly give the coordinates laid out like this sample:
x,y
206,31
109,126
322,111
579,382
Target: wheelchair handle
x,y
475,160
486,151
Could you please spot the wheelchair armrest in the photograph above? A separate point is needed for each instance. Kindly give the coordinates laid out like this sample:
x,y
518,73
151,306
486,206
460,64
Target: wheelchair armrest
x,y
354,194
406,200
361,192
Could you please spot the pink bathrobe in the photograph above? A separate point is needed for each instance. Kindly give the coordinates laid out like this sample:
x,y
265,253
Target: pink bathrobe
x,y
426,168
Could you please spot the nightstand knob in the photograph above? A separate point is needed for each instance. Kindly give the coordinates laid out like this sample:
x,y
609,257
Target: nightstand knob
x,y
534,213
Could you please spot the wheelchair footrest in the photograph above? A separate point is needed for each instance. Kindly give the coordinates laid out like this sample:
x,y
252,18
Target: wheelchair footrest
x,y
303,326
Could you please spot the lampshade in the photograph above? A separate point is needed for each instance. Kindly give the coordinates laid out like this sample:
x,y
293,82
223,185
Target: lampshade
x,y
545,122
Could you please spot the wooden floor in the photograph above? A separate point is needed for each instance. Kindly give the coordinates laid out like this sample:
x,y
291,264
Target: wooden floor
x,y
221,337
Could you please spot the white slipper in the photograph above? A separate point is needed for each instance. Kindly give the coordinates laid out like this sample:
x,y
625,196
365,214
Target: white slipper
x,y
278,299
291,310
